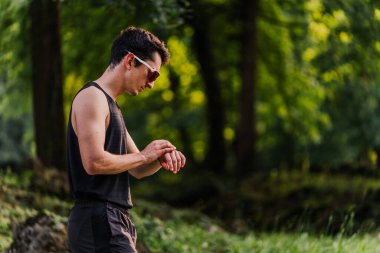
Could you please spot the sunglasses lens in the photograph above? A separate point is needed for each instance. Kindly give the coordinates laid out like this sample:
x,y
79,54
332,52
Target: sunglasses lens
x,y
152,76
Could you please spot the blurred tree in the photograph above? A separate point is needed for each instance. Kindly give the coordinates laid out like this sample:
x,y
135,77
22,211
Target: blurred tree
x,y
47,81
215,158
245,148
177,105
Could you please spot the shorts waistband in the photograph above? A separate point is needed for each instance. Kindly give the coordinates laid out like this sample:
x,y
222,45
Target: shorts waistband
x,y
91,202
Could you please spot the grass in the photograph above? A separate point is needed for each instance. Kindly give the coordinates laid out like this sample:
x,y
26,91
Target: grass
x,y
164,229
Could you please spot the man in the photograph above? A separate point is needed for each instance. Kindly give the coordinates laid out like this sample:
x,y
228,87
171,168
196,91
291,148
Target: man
x,y
102,154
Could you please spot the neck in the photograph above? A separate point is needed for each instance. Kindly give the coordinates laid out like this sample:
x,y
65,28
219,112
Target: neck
x,y
110,82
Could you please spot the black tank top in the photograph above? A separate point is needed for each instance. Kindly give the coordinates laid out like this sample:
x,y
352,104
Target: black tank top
x,y
110,188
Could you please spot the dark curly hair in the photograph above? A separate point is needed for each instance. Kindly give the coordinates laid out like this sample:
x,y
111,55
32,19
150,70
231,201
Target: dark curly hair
x,y
139,42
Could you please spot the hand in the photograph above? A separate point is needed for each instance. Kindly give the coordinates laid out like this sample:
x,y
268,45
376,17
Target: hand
x,y
156,149
173,161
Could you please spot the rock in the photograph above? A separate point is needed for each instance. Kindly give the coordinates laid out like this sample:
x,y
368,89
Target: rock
x,y
42,233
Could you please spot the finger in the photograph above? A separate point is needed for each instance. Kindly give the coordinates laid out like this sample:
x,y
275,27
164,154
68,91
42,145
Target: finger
x,y
177,153
165,151
164,142
179,159
183,160
165,166
168,161
165,145
162,162
174,161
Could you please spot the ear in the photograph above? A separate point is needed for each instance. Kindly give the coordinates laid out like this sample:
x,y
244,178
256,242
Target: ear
x,y
128,61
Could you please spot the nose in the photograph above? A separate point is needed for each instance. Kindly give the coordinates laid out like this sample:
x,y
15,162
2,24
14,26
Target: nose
x,y
149,85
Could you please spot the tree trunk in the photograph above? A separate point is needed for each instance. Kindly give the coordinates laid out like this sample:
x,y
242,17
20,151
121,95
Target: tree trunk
x,y
216,151
246,134
47,83
177,105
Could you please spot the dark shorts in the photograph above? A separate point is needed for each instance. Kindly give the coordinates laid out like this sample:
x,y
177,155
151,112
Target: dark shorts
x,y
101,227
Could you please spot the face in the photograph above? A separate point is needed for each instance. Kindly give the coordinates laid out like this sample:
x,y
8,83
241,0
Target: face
x,y
142,76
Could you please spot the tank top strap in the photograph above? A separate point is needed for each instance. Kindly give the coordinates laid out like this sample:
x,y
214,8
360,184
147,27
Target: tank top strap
x,y
109,98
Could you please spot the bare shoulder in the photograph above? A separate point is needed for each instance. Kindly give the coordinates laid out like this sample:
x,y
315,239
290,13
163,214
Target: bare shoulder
x,y
90,108
90,100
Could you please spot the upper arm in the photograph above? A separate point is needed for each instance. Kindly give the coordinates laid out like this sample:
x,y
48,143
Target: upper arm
x,y
132,148
90,112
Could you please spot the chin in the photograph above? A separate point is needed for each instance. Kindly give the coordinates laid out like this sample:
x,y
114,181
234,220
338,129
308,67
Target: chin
x,y
132,93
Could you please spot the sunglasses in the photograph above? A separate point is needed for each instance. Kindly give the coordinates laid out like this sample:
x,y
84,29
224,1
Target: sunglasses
x,y
152,72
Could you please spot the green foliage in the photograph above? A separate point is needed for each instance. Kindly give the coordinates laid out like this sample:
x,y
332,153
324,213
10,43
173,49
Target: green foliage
x,y
14,59
289,98
297,243
318,83
15,140
16,137
11,211
164,14
317,77
307,202
162,228
345,60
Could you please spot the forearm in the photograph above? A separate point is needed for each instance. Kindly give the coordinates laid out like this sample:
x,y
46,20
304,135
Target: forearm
x,y
108,164
146,170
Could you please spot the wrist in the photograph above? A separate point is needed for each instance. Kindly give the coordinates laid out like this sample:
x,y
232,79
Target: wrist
x,y
143,158
159,161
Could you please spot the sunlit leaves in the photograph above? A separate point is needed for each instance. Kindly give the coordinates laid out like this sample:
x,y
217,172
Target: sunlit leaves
x,y
377,46
199,147
319,31
338,18
229,133
73,83
309,54
163,82
377,14
167,95
345,37
185,69
197,97
314,6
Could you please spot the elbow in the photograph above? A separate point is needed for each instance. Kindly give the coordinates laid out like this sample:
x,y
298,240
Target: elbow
x,y
135,174
91,168
140,177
